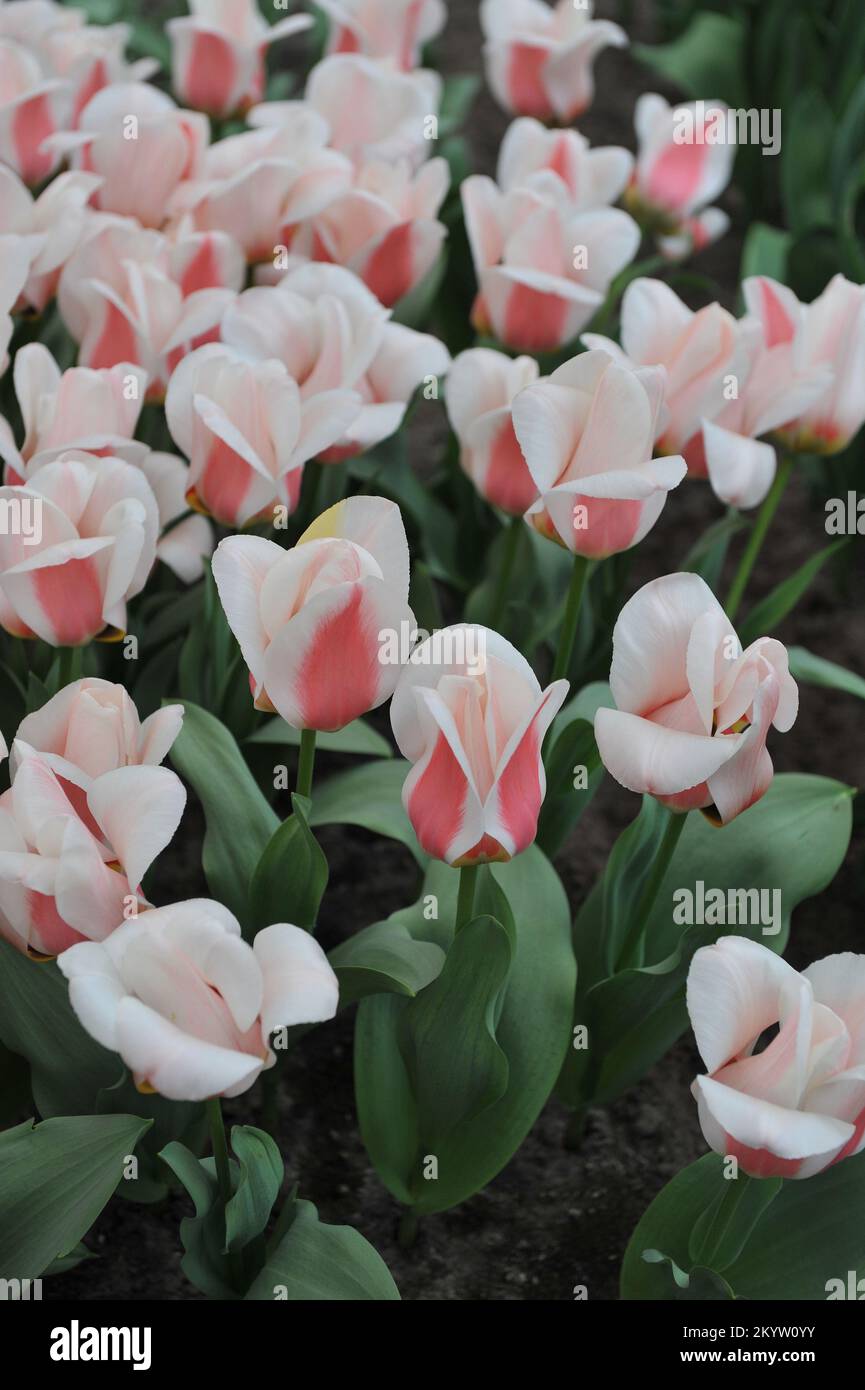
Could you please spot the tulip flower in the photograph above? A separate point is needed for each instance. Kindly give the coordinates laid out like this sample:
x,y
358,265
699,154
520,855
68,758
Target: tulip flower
x,y
681,166
189,1005
384,228
91,550
539,58
88,57
592,178
260,185
310,620
92,727
247,431
88,411
797,1106
371,111
480,389
391,30
586,434
141,146
780,385
50,226
184,544
828,334
32,108
693,710
333,334
704,356
542,268
217,53
75,842
470,716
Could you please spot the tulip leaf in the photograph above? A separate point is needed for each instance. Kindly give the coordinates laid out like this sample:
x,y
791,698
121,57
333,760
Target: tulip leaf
x,y
765,616
802,1245
571,758
290,878
384,959
706,557
793,841
810,669
808,134
402,1047
55,1178
708,58
259,1178
357,737
317,1262
240,823
72,1074
765,252
203,1235
698,1286
371,797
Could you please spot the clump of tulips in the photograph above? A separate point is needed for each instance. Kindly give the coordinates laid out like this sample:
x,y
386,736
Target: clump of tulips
x,y
220,539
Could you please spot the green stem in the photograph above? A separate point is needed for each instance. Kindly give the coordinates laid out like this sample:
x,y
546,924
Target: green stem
x,y
758,535
571,618
223,1178
305,762
506,569
69,664
408,1228
666,850
270,1098
466,896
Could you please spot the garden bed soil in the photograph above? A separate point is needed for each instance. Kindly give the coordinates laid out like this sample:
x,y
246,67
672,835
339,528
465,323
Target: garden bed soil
x,y
553,1220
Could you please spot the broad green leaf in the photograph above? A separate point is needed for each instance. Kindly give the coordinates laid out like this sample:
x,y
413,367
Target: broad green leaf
x,y
384,959
290,877
318,1262
203,1235
371,797
259,1179
55,1178
532,1030
808,135
765,616
765,252
357,737
793,840
458,96
240,823
802,1242
707,60
570,748
805,666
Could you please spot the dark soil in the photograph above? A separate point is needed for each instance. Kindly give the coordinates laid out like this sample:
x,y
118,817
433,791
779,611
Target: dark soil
x,y
553,1219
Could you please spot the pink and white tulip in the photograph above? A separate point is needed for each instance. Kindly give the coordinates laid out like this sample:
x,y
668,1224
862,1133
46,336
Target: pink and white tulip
x,y
189,1005
260,185
247,431
693,710
479,393
540,58
703,353
798,1106
680,168
332,333
384,228
391,30
82,409
469,713
51,226
586,434
76,843
218,53
142,147
310,621
93,549
33,107
16,257
542,268
593,178
372,112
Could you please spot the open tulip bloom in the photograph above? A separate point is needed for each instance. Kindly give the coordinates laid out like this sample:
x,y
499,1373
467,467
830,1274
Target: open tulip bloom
x,y
693,710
